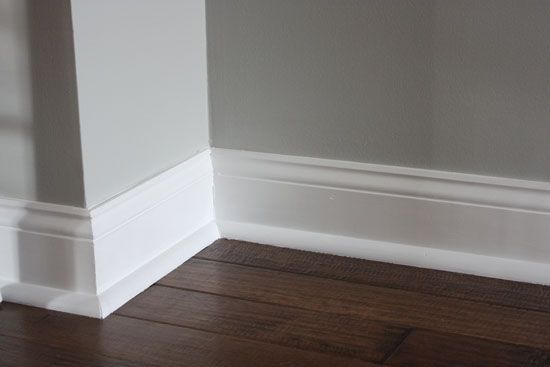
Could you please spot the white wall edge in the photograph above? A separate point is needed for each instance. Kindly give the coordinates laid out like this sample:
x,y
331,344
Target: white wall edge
x,y
486,226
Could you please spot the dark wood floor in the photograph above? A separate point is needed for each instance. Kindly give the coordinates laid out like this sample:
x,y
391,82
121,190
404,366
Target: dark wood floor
x,y
241,304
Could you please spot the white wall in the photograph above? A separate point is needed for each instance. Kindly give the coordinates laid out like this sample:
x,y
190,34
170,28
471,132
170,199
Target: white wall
x,y
142,87
16,143
459,85
39,134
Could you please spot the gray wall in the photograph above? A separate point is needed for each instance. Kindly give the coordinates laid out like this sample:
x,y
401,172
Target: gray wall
x,y
40,156
452,85
338,79
491,93
142,86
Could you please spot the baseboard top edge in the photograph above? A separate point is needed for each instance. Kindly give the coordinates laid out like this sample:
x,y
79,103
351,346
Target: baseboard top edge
x,y
200,163
414,183
513,183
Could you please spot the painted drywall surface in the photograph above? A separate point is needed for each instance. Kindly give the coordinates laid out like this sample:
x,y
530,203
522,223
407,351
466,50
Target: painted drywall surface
x,y
142,86
457,85
340,79
491,91
39,134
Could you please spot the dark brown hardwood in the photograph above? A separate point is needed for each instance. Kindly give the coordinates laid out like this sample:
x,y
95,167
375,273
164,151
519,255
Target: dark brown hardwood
x,y
394,306
440,283
424,348
324,332
242,304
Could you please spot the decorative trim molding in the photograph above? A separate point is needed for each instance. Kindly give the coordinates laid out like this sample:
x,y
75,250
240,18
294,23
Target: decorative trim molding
x,y
450,221
44,218
386,180
76,260
149,219
146,275
85,304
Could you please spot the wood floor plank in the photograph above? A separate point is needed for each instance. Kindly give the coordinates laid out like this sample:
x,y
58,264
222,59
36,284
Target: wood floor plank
x,y
156,344
424,348
13,313
454,285
15,352
400,307
344,335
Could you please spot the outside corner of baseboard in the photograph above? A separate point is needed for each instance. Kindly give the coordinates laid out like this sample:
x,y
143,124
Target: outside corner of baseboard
x,y
217,230
100,309
104,307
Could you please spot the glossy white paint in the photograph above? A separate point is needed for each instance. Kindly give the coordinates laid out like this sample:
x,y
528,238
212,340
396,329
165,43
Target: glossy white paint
x,y
474,224
91,261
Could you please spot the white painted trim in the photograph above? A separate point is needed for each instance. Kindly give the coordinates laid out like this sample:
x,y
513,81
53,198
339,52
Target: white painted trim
x,y
151,218
146,275
486,226
112,214
85,304
480,225
390,180
102,305
91,261
44,218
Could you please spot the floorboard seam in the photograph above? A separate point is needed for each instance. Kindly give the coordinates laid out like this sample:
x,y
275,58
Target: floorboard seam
x,y
275,304
372,285
242,338
398,345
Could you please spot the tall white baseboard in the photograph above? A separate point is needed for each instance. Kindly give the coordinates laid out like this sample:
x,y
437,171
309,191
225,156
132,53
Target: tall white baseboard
x,y
458,222
91,261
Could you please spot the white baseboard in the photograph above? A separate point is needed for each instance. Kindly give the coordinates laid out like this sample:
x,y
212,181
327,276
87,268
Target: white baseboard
x,y
91,261
145,276
449,221
46,245
85,304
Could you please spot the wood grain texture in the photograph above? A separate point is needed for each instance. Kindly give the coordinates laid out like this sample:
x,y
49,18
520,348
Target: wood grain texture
x,y
400,307
344,335
249,305
157,344
12,313
15,352
441,283
424,348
